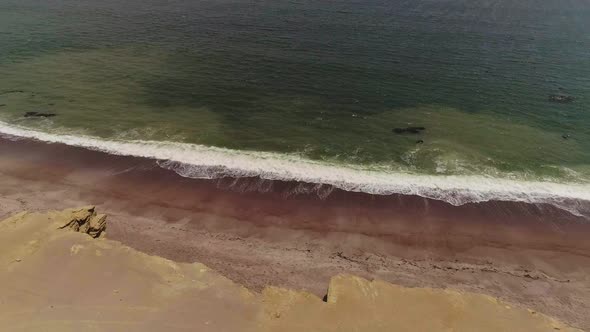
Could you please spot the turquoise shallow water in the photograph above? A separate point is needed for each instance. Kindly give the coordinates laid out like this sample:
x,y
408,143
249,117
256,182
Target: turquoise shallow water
x,y
321,80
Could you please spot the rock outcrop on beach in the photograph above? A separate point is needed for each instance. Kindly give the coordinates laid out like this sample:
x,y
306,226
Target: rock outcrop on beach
x,y
59,273
85,220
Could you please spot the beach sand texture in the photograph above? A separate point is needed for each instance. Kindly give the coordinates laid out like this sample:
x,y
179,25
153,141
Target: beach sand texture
x,y
535,256
57,279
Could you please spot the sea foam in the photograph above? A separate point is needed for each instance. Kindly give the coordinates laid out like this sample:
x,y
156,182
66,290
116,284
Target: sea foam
x,y
199,161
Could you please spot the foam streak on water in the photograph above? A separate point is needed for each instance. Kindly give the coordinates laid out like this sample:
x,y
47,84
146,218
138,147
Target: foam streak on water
x,y
198,161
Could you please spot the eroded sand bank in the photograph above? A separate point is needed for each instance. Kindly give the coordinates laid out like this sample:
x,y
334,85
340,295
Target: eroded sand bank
x,y
56,277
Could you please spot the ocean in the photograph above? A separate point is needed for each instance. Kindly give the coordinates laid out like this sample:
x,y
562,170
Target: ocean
x,y
461,101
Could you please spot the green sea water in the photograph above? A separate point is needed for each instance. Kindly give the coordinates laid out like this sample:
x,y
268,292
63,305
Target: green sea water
x,y
323,80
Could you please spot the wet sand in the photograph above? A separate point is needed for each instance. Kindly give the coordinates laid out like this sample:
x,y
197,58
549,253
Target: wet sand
x,y
261,233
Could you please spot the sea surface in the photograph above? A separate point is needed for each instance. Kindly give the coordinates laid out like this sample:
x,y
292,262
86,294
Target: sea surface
x,y
313,90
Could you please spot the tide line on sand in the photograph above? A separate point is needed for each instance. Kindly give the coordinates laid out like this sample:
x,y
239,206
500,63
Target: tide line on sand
x,y
199,161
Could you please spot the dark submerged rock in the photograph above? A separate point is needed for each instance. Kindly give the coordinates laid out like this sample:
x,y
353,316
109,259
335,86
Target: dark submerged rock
x,y
39,114
11,91
408,130
561,98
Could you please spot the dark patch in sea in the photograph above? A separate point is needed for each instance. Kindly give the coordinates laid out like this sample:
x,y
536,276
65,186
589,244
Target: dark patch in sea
x,y
39,115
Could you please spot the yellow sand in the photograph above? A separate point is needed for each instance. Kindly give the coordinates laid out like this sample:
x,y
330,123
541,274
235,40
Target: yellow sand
x,y
55,276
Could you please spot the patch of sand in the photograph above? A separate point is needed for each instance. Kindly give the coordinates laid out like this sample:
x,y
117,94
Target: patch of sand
x,y
57,278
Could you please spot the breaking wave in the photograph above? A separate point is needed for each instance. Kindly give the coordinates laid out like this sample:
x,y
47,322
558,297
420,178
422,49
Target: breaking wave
x,y
203,162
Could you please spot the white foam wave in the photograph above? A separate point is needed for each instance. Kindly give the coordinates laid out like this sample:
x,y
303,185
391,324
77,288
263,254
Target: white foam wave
x,y
198,161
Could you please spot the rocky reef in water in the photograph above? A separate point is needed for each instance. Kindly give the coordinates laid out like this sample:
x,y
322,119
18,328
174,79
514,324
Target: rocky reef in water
x,y
59,272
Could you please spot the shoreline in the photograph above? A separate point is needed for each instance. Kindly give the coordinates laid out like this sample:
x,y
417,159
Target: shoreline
x,y
261,233
212,163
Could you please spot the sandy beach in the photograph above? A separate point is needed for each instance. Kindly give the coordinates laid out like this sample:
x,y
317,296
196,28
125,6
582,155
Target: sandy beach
x,y
259,233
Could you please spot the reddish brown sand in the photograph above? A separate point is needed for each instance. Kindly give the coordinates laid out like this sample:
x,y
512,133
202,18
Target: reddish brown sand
x,y
261,233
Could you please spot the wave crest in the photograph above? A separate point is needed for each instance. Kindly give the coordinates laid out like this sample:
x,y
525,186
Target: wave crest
x,y
198,161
